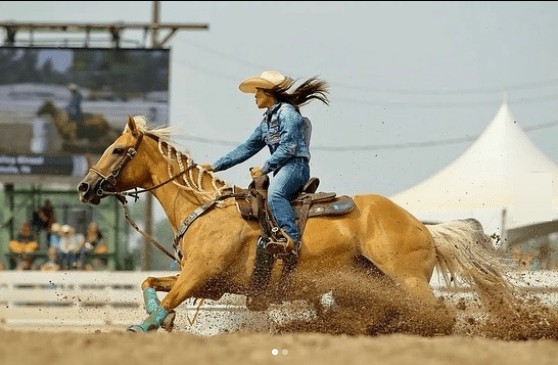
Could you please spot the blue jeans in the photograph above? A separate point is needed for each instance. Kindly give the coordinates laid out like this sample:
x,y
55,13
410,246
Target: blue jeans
x,y
287,181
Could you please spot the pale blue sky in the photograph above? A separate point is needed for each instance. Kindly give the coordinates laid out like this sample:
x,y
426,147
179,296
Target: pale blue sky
x,y
402,75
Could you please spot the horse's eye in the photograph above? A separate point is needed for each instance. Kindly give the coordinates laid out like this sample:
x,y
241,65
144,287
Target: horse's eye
x,y
118,151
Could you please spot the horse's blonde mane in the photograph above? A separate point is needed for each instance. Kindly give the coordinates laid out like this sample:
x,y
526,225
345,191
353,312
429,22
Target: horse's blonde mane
x,y
163,133
174,154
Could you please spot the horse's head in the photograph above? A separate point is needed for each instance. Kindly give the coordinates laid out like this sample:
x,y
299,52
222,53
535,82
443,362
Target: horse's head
x,y
118,169
47,108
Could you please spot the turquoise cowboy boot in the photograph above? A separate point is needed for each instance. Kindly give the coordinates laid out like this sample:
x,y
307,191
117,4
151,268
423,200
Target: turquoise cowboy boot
x,y
151,300
151,323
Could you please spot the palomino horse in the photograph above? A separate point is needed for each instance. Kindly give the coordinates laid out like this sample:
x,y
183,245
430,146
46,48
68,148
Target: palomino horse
x,y
94,127
378,241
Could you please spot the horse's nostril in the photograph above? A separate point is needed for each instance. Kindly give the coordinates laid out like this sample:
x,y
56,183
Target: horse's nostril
x,y
83,187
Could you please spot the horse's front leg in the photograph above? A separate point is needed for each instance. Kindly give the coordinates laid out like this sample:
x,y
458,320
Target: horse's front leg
x,y
181,288
151,286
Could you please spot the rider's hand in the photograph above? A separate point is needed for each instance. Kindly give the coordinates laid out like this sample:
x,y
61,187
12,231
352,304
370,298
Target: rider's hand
x,y
255,172
206,167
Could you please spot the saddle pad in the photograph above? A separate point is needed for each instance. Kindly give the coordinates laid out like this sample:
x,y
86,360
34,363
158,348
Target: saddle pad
x,y
340,205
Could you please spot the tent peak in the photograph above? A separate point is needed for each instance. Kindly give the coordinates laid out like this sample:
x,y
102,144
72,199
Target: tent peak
x,y
505,98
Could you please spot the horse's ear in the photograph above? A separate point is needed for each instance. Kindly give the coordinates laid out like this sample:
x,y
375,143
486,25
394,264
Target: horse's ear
x,y
132,126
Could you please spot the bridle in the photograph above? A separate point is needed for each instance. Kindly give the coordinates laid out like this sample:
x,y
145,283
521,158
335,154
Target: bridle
x,y
111,178
109,181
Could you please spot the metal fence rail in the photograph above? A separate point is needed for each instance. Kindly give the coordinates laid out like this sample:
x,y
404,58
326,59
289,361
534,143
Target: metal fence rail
x,y
105,298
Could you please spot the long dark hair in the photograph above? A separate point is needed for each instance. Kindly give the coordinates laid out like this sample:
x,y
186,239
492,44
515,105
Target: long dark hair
x,y
311,89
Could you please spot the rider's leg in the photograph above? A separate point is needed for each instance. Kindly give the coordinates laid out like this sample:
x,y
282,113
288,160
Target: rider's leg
x,y
287,182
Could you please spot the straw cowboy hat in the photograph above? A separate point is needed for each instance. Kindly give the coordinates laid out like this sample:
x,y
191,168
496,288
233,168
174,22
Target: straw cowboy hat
x,y
72,87
55,228
66,229
267,80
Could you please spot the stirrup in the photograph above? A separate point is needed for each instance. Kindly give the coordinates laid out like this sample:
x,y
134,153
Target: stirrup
x,y
281,246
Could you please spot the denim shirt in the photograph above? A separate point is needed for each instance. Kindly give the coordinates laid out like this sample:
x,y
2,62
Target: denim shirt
x,y
283,130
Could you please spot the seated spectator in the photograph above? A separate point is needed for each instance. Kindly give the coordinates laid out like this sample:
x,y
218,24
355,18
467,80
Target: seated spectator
x,y
95,242
42,219
70,246
52,260
24,243
95,238
55,236
25,240
54,257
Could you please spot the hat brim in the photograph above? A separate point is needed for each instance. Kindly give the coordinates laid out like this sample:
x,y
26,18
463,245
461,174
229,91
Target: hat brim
x,y
252,84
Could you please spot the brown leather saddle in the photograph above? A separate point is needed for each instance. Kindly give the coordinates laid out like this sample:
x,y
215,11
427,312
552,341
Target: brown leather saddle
x,y
307,203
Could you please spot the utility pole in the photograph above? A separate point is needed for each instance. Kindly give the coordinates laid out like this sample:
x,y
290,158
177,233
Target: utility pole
x,y
147,252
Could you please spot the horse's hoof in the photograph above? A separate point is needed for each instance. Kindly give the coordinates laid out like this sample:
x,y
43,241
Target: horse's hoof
x,y
168,322
144,327
134,328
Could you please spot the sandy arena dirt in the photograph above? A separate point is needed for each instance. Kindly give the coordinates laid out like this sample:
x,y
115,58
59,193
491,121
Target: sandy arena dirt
x,y
118,347
523,332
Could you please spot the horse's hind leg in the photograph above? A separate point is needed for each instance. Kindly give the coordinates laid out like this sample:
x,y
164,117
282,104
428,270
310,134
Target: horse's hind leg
x,y
424,314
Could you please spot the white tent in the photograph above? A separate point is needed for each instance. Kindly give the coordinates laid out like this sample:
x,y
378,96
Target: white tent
x,y
502,179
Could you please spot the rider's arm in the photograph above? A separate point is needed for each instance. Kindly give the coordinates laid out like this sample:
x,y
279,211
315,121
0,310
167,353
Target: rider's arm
x,y
243,151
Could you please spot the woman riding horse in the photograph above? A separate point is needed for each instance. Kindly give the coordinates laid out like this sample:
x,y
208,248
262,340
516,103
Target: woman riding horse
x,y
377,243
287,135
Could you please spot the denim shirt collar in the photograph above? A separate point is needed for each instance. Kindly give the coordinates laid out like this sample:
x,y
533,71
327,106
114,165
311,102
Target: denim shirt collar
x,y
269,112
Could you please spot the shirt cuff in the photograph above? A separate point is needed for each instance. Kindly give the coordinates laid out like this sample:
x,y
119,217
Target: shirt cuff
x,y
265,168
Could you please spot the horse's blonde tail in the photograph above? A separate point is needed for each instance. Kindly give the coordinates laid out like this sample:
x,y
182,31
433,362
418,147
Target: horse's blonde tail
x,y
464,251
